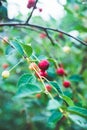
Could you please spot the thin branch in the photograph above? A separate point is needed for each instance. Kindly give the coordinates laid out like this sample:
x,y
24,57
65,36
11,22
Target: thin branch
x,y
31,12
42,28
67,34
51,40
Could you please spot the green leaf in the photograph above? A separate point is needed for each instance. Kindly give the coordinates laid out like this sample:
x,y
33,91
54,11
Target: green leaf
x,y
76,78
51,72
68,10
8,50
68,100
57,86
26,78
55,117
27,49
53,104
3,12
82,122
1,51
78,110
18,47
27,89
68,93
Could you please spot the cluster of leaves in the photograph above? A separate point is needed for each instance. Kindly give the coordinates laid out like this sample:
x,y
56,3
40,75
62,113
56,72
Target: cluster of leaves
x,y
62,108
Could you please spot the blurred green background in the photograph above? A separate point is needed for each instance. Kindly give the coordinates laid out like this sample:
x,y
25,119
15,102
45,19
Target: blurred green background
x,y
33,113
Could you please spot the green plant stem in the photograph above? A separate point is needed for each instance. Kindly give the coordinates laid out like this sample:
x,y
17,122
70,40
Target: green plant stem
x,y
50,84
16,65
36,58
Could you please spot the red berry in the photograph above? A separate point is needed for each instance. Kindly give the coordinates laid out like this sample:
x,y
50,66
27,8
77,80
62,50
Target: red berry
x,y
61,35
40,10
31,3
5,65
43,65
66,84
41,73
48,87
43,35
60,71
38,95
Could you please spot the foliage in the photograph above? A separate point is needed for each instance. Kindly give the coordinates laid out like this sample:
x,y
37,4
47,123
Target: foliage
x,y
25,102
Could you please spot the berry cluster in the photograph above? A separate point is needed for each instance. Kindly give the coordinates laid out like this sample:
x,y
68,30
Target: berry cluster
x,y
41,68
31,3
41,72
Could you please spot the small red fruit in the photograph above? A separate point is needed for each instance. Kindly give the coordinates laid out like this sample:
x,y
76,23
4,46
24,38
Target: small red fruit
x,y
61,35
66,84
41,73
48,87
38,95
43,35
60,71
43,64
31,3
40,10
5,65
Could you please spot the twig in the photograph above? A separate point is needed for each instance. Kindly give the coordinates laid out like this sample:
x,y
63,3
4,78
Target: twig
x,y
42,28
31,12
57,30
49,37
